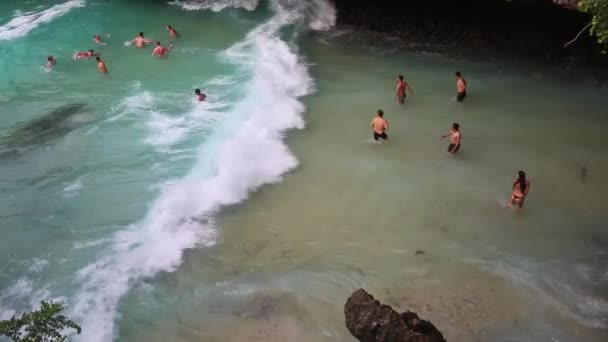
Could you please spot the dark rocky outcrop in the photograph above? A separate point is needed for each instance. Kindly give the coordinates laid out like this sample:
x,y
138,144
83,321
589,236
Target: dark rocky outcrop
x,y
370,321
535,29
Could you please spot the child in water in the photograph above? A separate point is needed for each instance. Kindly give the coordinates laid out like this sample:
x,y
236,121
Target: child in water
x,y
199,96
50,62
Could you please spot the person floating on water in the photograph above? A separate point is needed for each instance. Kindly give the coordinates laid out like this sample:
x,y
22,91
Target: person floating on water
x,y
101,66
200,96
455,136
161,51
172,32
402,86
140,41
521,187
380,126
85,54
98,40
461,87
50,62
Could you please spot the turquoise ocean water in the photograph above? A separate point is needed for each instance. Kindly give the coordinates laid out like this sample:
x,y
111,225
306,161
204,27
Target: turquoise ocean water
x,y
112,185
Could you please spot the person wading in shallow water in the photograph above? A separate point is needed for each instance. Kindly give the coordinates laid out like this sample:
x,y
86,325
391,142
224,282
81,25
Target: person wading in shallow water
x,y
455,137
402,86
380,126
521,187
461,87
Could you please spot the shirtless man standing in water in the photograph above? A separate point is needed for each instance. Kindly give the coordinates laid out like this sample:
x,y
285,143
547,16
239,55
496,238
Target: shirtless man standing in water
x,y
461,87
380,126
160,50
101,66
455,136
402,86
140,41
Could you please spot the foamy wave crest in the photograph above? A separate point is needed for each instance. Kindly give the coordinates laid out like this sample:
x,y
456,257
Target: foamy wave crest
x,y
245,151
23,23
215,5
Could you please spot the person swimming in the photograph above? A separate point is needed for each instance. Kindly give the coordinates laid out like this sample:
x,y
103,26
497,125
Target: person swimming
x,y
521,187
85,54
200,96
380,126
160,51
172,32
402,86
461,87
455,137
98,40
101,66
50,62
140,41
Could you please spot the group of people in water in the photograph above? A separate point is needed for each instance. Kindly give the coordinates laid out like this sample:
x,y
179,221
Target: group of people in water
x,y
379,125
140,41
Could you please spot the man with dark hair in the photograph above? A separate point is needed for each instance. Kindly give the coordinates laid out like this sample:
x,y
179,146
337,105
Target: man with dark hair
x,y
455,137
140,41
461,87
101,66
380,126
160,51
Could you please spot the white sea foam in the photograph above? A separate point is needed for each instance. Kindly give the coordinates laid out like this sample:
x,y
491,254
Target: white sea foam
x,y
23,23
215,5
245,151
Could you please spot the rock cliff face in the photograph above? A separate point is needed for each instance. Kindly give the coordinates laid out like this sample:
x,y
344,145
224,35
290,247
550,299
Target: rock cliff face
x,y
370,321
528,28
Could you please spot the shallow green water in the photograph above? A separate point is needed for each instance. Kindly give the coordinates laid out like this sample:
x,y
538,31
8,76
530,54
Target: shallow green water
x,y
99,216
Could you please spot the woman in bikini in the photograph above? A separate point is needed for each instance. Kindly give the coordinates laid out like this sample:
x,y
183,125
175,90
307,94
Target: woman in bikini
x,y
521,187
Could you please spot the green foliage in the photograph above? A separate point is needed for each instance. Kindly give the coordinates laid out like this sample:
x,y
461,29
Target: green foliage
x,y
43,325
599,22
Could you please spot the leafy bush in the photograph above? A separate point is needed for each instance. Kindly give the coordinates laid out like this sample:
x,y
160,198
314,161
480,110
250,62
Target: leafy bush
x,y
599,22
42,325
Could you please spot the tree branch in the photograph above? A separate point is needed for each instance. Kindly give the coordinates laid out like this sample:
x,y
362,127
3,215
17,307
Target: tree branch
x,y
578,35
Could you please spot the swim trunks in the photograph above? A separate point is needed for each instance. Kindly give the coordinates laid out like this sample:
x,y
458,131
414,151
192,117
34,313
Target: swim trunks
x,y
461,96
382,136
453,148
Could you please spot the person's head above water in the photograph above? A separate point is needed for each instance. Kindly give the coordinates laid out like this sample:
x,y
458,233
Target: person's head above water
x,y
400,77
98,59
141,34
457,74
49,58
456,126
197,91
521,179
380,113
91,51
169,27
157,43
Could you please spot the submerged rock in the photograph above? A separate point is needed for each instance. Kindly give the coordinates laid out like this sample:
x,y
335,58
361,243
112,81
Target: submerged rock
x,y
370,321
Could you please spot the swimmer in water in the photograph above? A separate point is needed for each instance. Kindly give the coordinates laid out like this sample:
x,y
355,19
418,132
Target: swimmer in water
x,y
521,187
380,126
461,87
172,32
200,96
50,62
101,66
402,86
85,54
97,39
140,41
160,51
455,136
